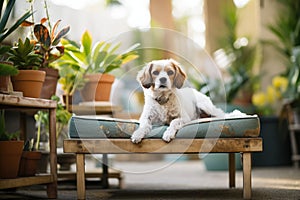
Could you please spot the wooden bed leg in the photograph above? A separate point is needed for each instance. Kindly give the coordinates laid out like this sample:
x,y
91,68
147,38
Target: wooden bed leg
x,y
104,178
80,167
231,163
247,175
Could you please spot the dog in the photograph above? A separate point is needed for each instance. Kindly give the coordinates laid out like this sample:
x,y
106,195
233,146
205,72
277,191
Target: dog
x,y
167,102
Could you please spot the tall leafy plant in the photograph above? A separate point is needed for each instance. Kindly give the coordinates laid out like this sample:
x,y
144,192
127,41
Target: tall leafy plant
x,y
286,28
6,9
240,56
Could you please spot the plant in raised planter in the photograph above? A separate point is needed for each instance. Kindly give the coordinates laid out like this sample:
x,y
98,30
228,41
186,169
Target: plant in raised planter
x,y
29,79
10,150
98,59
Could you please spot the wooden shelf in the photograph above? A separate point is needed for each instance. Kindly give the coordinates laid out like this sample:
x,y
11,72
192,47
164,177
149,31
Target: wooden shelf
x,y
31,105
26,181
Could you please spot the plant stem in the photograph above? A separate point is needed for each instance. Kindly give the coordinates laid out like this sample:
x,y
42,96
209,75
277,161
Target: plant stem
x,y
48,16
32,19
38,137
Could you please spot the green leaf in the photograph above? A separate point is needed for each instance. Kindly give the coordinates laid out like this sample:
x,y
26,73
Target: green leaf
x,y
6,14
7,69
99,61
86,41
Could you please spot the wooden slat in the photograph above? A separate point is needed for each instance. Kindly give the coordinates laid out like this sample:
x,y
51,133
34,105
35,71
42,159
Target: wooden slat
x,y
25,181
10,100
247,175
90,174
80,171
115,146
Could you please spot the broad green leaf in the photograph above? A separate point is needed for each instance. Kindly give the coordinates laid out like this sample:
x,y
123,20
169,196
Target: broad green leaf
x,y
86,42
129,58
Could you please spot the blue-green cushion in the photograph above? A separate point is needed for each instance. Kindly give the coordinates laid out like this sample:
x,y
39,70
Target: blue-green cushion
x,y
94,127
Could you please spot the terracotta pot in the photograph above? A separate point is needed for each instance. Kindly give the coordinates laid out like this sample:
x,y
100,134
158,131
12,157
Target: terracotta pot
x,y
10,156
29,162
49,86
30,82
98,87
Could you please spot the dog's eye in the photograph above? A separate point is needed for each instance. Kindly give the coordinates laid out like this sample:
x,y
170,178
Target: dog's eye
x,y
155,73
170,73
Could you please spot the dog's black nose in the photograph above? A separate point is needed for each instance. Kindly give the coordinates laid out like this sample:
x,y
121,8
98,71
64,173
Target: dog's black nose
x,y
163,80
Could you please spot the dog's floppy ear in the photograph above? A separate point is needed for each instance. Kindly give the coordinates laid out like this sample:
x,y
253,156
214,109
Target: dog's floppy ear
x,y
180,76
144,76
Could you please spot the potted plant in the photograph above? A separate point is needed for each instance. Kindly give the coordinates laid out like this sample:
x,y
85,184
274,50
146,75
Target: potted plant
x,y
10,150
95,62
29,80
274,130
29,160
6,69
47,44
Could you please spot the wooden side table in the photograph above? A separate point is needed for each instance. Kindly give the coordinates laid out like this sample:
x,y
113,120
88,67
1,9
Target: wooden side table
x,y
30,105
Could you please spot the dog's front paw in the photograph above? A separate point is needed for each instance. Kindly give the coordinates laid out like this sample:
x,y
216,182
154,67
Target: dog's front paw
x,y
137,136
168,135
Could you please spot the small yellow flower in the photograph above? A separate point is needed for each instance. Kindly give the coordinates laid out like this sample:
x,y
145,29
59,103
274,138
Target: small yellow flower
x,y
259,99
280,82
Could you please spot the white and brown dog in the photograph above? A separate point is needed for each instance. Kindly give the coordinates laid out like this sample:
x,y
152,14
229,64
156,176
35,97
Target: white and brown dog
x,y
167,103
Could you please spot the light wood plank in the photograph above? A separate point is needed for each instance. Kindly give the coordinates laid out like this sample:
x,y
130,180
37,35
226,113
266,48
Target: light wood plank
x,y
80,171
247,175
11,100
90,174
25,181
115,146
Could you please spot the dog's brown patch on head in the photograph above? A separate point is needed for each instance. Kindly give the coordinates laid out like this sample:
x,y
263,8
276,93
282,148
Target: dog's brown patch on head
x,y
145,77
170,70
180,76
156,69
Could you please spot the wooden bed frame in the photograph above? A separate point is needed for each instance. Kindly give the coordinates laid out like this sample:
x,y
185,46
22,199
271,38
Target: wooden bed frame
x,y
245,146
